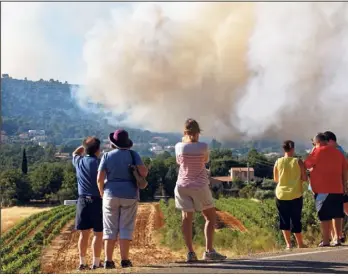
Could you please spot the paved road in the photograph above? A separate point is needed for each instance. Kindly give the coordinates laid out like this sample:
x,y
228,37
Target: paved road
x,y
323,260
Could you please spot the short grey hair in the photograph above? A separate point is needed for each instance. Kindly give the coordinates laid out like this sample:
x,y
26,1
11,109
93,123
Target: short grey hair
x,y
320,138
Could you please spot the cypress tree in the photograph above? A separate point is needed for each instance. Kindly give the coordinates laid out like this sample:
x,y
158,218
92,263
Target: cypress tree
x,y
24,163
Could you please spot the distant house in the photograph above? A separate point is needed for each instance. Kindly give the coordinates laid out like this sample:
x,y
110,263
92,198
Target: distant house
x,y
43,144
4,138
41,138
23,136
157,149
242,173
63,155
223,185
272,154
33,132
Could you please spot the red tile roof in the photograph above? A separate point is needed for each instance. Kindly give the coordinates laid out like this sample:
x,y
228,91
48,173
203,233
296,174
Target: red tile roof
x,y
223,178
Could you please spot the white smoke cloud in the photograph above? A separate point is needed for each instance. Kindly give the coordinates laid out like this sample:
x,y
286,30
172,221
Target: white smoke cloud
x,y
254,69
258,70
163,69
298,59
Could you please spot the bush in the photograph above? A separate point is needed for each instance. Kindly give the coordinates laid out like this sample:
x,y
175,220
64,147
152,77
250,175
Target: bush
x,y
268,184
248,191
262,195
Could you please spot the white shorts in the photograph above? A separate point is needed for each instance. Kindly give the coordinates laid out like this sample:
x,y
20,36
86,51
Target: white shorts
x,y
119,216
193,199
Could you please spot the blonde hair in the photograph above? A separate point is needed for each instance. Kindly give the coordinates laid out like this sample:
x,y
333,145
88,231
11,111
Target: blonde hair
x,y
192,129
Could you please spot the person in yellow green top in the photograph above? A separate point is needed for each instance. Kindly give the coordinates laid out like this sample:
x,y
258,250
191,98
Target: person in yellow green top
x,y
289,174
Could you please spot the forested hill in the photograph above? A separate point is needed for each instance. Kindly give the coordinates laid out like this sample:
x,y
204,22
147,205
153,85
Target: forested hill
x,y
48,105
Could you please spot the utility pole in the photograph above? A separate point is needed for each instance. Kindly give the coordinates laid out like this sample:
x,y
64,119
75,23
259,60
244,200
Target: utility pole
x,y
248,174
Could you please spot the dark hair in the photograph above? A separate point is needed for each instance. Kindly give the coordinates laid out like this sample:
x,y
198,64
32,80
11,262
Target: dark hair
x,y
288,145
91,145
192,127
320,137
330,136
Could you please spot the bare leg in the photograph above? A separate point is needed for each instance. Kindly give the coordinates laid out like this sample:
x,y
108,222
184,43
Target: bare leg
x,y
83,244
187,218
109,249
340,233
299,240
345,206
332,232
337,226
210,219
287,237
325,231
97,244
124,249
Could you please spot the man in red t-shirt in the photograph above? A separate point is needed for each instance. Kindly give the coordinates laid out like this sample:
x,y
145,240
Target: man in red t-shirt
x,y
328,173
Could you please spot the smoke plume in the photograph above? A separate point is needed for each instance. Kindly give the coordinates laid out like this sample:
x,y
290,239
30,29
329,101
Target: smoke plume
x,y
256,70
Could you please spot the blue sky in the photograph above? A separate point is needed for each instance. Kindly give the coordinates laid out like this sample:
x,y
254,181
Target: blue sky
x,y
45,40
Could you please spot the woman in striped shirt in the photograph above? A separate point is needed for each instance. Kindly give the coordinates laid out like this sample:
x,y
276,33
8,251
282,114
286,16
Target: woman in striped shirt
x,y
192,192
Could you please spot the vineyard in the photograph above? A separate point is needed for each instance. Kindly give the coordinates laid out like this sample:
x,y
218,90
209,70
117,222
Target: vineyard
x,y
255,226
22,245
46,242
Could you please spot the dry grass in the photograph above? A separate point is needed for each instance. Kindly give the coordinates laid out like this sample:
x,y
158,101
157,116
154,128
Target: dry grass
x,y
11,216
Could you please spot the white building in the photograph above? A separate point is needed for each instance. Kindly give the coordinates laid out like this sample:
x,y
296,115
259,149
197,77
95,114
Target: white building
x,y
33,132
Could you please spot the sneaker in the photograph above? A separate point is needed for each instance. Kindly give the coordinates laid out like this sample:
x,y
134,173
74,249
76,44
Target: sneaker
x,y
126,263
109,265
343,239
191,257
93,267
213,256
337,243
288,248
321,244
83,267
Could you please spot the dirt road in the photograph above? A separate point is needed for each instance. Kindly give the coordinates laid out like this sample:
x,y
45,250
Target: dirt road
x,y
62,255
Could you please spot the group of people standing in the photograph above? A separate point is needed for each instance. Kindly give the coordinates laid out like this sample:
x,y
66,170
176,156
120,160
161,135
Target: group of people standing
x,y
326,169
108,193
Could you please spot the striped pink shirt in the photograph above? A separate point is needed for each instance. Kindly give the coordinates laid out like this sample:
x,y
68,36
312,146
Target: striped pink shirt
x,y
192,158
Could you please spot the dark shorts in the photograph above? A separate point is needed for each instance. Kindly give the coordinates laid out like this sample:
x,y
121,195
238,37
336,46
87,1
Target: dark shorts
x,y
290,212
329,206
345,198
89,214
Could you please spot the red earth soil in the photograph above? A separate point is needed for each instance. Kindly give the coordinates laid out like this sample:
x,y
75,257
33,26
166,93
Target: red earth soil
x,y
62,255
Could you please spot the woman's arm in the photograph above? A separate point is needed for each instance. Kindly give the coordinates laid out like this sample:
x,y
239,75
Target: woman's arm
x,y
100,181
143,170
275,173
303,170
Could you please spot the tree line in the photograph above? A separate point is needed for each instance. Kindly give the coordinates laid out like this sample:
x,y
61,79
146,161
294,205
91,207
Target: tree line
x,y
33,173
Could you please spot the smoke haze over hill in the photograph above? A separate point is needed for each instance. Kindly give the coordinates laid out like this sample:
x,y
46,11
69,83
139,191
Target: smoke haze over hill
x,y
255,69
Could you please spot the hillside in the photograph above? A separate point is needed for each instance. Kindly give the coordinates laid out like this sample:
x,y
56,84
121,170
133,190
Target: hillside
x,y
48,105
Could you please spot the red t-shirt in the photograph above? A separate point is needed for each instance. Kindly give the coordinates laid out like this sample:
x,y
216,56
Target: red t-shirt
x,y
328,164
